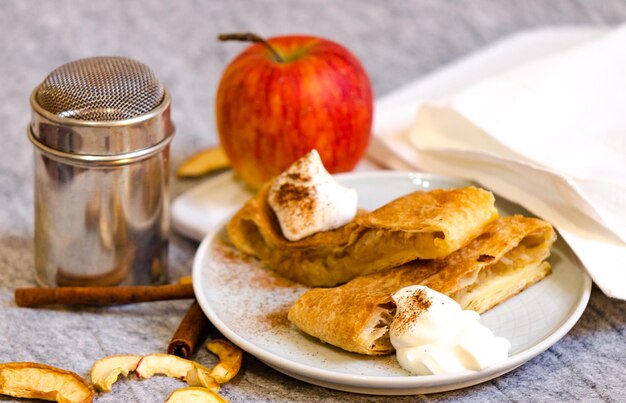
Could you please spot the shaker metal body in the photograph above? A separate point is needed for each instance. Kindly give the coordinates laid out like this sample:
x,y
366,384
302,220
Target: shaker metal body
x,y
101,197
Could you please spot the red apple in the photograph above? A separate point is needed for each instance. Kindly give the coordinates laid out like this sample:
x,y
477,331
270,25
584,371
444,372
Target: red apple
x,y
282,97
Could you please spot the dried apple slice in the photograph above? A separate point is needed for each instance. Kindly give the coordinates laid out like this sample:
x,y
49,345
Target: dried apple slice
x,y
105,372
230,360
185,280
40,381
164,364
203,162
175,367
200,376
195,394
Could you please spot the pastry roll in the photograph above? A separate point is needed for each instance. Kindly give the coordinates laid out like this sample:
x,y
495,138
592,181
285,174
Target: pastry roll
x,y
507,258
424,225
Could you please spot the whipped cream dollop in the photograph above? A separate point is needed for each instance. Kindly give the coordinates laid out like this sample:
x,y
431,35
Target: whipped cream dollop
x,y
307,199
433,335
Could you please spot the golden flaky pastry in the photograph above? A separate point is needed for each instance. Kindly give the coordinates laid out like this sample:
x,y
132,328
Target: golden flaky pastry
x,y
507,258
425,225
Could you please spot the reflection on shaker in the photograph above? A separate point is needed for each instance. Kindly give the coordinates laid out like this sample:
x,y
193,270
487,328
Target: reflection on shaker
x,y
122,228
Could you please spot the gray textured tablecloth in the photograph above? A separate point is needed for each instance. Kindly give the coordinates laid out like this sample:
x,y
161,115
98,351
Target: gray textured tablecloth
x,y
396,41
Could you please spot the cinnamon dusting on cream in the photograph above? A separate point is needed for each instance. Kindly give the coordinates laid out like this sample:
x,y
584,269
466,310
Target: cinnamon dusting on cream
x,y
306,199
416,305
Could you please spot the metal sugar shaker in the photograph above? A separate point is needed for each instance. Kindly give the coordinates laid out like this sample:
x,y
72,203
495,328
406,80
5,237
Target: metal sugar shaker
x,y
101,129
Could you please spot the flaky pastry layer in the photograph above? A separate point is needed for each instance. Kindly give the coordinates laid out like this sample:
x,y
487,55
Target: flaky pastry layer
x,y
424,225
505,259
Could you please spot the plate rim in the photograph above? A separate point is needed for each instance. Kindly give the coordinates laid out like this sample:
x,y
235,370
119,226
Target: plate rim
x,y
391,383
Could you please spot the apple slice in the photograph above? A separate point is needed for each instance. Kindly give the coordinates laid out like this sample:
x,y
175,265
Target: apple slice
x,y
203,162
40,381
185,280
230,360
105,372
192,395
165,364
200,376
175,367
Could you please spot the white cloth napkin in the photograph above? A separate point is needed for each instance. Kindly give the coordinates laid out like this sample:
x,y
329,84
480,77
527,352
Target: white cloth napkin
x,y
548,133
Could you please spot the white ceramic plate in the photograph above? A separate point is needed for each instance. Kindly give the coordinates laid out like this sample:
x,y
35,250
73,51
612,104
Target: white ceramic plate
x,y
249,305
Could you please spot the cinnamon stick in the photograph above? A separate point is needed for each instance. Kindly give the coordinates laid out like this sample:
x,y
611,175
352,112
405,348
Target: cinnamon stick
x,y
100,296
190,332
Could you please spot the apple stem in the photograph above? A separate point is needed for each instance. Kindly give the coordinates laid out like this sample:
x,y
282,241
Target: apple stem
x,y
250,37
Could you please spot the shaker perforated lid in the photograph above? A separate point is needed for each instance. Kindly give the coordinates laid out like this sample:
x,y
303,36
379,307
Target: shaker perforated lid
x,y
100,89
103,105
